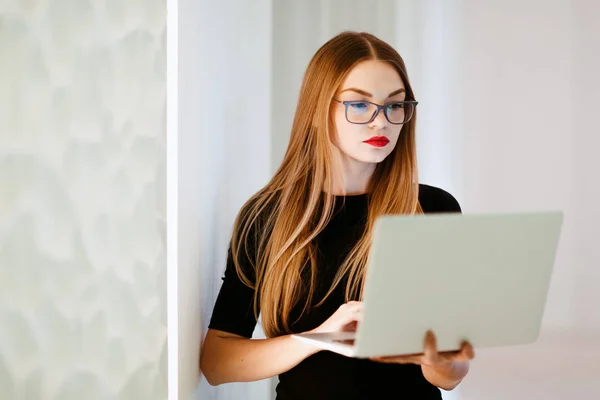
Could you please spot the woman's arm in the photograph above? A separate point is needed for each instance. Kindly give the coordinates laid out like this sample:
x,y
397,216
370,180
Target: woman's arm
x,y
227,357
232,358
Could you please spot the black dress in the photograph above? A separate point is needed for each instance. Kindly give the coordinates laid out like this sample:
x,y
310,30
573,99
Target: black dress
x,y
326,375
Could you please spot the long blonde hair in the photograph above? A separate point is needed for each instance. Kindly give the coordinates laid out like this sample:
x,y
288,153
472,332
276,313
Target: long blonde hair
x,y
276,228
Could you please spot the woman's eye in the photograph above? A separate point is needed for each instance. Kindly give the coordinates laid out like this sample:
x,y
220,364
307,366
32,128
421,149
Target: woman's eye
x,y
396,106
359,106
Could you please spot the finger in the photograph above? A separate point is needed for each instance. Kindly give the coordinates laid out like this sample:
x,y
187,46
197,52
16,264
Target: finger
x,y
355,305
449,356
430,347
467,352
350,327
355,315
349,312
352,317
351,306
397,359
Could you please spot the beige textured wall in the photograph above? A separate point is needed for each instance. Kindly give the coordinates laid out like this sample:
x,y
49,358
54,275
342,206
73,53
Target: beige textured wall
x,y
82,200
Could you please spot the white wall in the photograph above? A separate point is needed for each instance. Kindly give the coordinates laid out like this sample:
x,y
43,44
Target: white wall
x,y
224,132
472,63
585,167
82,200
486,132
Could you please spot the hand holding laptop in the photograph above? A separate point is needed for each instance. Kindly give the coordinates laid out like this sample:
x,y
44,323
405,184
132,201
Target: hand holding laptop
x,y
430,356
347,317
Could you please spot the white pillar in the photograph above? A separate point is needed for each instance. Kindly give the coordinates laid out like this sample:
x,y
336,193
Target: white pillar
x,y
82,200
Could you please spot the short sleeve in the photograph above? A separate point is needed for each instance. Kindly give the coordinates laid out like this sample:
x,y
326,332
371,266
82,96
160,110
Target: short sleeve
x,y
436,200
234,307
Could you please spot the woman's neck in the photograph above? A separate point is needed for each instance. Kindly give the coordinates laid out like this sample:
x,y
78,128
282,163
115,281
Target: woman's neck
x,y
353,178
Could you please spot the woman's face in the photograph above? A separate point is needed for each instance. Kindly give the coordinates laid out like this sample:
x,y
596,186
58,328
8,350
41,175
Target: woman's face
x,y
370,143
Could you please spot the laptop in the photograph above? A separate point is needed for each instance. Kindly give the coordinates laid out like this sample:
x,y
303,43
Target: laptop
x,y
477,277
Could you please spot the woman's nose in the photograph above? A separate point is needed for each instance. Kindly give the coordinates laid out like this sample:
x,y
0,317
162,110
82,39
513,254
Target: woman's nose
x,y
380,120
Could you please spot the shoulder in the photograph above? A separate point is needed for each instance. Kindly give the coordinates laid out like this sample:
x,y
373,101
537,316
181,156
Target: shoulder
x,y
245,240
434,199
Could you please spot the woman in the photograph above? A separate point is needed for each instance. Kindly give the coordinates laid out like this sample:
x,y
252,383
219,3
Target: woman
x,y
299,247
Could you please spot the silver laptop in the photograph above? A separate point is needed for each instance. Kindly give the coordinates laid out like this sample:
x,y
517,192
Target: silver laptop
x,y
477,277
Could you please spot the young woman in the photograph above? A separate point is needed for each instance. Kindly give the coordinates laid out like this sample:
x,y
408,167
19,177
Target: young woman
x,y
299,247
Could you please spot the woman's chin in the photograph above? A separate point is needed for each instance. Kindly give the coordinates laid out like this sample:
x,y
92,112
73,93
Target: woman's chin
x,y
373,158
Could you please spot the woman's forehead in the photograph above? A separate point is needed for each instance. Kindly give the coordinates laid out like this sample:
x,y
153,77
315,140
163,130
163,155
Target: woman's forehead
x,y
377,78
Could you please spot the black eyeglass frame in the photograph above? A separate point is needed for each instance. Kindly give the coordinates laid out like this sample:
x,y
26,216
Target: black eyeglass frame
x,y
380,107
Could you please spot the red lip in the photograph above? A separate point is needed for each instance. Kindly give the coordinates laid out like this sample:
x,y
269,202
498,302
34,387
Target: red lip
x,y
377,141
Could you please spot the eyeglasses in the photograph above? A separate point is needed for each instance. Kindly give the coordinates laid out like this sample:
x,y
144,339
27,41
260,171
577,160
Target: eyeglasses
x,y
364,112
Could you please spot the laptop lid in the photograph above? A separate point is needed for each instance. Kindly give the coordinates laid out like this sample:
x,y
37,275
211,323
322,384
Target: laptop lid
x,y
480,277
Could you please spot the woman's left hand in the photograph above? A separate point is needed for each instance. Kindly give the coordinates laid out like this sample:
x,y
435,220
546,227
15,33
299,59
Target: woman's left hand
x,y
431,357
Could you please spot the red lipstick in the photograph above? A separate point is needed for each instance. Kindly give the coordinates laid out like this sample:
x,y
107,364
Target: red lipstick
x,y
377,141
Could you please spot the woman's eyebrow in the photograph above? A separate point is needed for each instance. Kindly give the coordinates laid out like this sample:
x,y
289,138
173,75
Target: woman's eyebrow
x,y
395,92
359,91
365,93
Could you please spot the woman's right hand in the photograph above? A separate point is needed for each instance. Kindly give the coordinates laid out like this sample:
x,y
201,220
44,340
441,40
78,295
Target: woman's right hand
x,y
345,319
